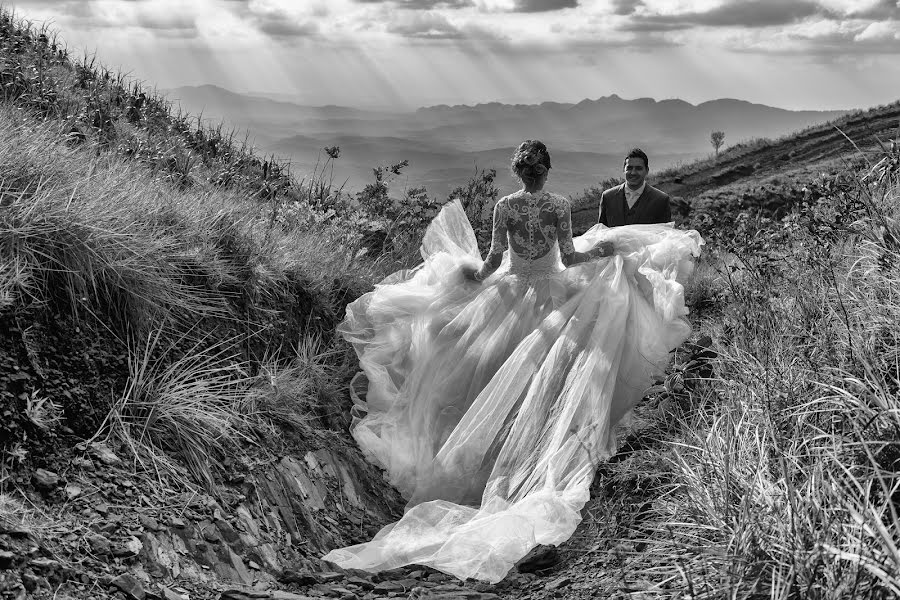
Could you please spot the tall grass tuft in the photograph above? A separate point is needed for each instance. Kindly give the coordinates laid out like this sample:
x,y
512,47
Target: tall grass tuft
x,y
186,406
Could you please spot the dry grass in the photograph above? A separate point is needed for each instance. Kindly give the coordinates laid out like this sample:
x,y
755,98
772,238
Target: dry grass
x,y
779,476
196,284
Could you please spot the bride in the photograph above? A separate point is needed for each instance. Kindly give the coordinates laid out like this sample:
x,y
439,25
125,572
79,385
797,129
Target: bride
x,y
495,387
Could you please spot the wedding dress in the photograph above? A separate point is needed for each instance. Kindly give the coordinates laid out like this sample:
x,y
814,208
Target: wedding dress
x,y
489,405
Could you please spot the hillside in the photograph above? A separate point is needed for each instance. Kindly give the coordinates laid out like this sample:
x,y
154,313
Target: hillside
x,y
770,174
175,402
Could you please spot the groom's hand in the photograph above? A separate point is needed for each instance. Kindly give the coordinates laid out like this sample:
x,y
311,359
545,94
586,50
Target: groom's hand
x,y
469,272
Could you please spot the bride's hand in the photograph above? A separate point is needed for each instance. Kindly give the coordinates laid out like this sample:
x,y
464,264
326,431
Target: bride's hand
x,y
603,249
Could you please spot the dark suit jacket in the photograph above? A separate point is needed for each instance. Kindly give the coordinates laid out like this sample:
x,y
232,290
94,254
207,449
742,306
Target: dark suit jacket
x,y
651,207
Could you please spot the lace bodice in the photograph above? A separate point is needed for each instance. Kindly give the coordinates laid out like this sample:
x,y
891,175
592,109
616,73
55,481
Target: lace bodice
x,y
532,226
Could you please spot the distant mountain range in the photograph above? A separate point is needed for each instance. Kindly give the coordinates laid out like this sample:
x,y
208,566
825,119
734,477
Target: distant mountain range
x,y
445,144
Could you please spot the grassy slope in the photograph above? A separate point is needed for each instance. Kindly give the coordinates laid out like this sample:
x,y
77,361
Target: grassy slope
x,y
154,289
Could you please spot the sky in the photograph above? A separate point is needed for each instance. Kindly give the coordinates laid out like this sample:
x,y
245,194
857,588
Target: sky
x,y
402,54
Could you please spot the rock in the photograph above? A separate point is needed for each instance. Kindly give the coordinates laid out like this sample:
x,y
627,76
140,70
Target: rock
x,y
299,577
364,584
102,508
102,453
73,491
279,595
149,523
99,544
167,594
409,583
7,560
244,595
329,576
44,565
389,586
211,534
177,523
34,582
83,463
540,558
45,480
130,586
132,547
558,583
342,593
226,531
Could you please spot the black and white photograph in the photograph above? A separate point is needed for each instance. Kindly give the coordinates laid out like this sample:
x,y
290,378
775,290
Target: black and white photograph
x,y
449,299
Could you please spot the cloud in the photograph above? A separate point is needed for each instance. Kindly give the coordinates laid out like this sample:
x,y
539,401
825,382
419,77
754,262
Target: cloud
x,y
879,11
425,25
422,4
165,21
276,22
735,13
533,6
626,7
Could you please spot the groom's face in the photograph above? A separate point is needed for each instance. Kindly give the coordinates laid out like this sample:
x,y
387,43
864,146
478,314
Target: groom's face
x,y
635,172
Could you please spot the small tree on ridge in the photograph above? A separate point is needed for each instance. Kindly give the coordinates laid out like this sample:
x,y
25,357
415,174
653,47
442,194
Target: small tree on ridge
x,y
717,138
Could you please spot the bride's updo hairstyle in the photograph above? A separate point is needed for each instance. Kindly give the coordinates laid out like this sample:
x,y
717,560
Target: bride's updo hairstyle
x,y
531,159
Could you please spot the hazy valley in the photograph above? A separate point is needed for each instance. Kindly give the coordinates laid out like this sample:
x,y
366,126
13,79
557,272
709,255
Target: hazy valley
x,y
446,144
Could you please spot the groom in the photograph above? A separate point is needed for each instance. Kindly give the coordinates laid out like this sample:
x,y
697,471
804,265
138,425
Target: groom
x,y
634,201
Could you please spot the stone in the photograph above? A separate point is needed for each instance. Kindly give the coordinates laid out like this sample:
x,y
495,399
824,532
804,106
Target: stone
x,y
211,534
149,523
177,523
102,508
45,480
299,577
329,576
226,531
44,565
280,595
99,544
540,558
102,453
389,586
73,491
360,582
7,560
34,582
243,595
167,594
558,583
131,547
130,586
83,463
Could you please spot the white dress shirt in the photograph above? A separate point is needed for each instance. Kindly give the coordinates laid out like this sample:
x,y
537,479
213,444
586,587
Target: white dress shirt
x,y
631,196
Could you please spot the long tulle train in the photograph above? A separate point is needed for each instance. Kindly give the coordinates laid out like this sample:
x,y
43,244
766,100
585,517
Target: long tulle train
x,y
490,405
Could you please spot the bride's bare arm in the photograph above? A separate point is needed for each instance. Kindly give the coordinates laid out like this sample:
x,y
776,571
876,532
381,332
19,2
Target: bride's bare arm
x,y
499,243
567,251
